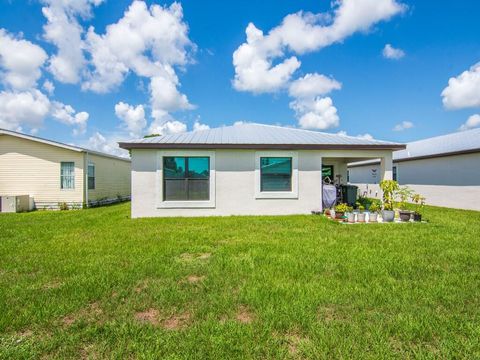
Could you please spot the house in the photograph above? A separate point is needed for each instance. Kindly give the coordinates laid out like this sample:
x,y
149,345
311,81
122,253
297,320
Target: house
x,y
445,169
245,169
52,173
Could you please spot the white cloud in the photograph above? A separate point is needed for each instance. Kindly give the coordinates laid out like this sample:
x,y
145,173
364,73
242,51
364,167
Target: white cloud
x,y
20,61
463,91
318,113
313,85
365,136
404,125
28,108
48,87
64,31
66,114
167,125
133,118
471,123
300,33
197,126
107,145
390,52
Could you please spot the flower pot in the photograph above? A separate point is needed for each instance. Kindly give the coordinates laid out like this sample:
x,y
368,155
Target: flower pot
x,y
361,217
372,217
351,217
405,215
417,217
339,215
388,215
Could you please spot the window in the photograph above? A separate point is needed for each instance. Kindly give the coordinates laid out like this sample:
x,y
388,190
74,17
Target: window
x,y
275,174
394,171
327,171
91,177
186,178
67,175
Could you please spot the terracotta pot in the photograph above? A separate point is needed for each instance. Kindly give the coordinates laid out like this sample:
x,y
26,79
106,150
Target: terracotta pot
x,y
405,215
361,217
372,217
388,215
339,215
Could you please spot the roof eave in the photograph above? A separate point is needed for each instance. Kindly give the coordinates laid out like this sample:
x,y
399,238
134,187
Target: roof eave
x,y
393,147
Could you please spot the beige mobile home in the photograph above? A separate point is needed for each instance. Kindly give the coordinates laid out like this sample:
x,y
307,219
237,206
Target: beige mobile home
x,y
54,174
247,169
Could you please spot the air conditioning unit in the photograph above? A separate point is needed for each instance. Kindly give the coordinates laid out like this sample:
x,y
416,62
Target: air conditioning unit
x,y
14,203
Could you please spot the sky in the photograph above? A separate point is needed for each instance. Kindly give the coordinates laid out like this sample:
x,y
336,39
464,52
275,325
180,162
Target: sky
x,y
94,72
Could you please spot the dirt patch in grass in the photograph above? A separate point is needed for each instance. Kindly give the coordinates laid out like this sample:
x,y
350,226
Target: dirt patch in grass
x,y
330,313
90,313
189,257
192,279
55,284
176,322
149,316
294,342
244,315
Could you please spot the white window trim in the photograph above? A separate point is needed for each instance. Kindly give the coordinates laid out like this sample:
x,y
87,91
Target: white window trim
x,y
161,204
94,175
276,194
74,176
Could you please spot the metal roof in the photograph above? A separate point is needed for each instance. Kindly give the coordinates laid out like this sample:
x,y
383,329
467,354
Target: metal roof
x,y
252,135
58,144
451,144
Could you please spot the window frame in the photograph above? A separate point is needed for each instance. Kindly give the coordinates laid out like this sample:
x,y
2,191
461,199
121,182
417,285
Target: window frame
x,y
395,173
293,194
62,176
185,204
94,176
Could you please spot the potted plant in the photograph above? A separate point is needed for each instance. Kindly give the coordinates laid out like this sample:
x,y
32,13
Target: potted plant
x,y
361,214
389,189
404,194
419,202
374,207
340,210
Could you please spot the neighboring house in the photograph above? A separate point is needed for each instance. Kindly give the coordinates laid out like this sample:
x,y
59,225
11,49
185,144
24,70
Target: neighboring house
x,y
247,169
445,169
52,173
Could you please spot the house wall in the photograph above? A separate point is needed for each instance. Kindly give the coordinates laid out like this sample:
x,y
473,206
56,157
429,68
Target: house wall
x,y
112,178
450,181
235,184
32,168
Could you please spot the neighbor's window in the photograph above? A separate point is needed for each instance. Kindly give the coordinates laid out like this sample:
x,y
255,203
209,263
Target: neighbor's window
x,y
394,170
67,175
275,174
186,178
91,177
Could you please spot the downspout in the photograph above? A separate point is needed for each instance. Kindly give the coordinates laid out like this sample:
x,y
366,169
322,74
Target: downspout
x,y
85,179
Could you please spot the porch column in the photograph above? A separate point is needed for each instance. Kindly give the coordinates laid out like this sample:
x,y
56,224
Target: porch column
x,y
386,165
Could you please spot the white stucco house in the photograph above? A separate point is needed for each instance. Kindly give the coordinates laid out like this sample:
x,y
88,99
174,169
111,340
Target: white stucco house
x,y
445,169
246,169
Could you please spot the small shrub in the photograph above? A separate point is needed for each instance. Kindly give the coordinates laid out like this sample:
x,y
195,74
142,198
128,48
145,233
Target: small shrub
x,y
63,206
343,208
389,189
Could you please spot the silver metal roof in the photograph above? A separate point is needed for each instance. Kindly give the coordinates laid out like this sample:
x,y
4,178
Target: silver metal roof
x,y
251,134
455,142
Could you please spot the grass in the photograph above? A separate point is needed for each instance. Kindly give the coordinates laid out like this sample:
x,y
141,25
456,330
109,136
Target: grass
x,y
96,284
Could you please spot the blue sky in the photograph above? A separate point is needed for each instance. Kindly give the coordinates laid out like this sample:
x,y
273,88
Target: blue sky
x,y
373,94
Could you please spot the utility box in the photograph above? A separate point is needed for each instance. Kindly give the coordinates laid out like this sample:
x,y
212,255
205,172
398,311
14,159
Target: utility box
x,y
349,194
14,203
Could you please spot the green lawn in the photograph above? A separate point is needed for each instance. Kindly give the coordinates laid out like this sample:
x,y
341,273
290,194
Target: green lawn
x,y
95,284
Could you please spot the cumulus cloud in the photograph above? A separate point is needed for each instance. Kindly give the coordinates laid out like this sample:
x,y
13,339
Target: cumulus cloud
x,y
404,125
20,61
106,144
198,126
471,123
318,113
300,33
66,114
167,125
27,108
313,85
48,87
463,91
389,52
132,117
64,31
365,136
